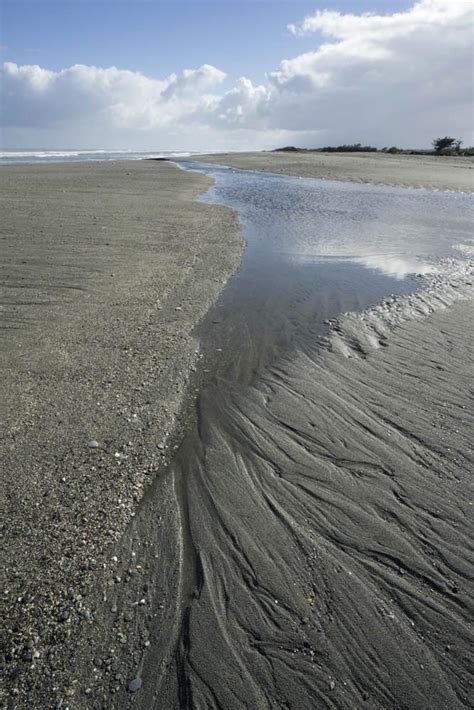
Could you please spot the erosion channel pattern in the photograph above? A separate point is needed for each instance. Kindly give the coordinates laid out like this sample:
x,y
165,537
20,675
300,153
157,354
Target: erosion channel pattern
x,y
309,545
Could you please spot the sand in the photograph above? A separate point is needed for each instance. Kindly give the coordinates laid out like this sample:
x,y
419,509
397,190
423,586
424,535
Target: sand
x,y
312,543
439,173
106,269
306,544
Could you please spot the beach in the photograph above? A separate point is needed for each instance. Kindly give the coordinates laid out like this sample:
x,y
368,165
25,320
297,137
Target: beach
x,y
106,269
297,536
430,171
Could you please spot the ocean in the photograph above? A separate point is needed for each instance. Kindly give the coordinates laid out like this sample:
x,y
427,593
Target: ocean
x,y
13,157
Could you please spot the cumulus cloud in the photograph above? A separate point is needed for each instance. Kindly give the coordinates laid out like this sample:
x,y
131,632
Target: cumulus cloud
x,y
399,78
36,96
193,81
380,27
381,78
244,105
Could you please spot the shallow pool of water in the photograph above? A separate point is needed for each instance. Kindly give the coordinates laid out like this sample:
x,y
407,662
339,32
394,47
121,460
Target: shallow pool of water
x,y
315,249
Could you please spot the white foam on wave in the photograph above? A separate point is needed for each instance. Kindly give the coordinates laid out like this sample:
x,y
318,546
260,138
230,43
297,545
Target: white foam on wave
x,y
50,153
466,249
33,156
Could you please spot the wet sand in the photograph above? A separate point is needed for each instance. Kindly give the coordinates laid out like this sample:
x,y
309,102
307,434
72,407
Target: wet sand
x,y
439,173
306,544
106,269
310,543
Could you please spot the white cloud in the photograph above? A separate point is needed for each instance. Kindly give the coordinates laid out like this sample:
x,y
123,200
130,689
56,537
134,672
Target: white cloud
x,y
192,81
381,27
387,79
400,78
244,105
36,96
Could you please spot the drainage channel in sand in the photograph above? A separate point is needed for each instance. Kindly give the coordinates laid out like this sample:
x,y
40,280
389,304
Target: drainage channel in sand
x,y
303,545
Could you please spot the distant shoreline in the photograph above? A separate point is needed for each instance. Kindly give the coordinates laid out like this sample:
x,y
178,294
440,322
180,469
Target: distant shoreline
x,y
402,170
393,150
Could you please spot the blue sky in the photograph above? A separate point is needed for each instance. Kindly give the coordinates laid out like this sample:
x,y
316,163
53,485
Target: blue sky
x,y
234,74
157,37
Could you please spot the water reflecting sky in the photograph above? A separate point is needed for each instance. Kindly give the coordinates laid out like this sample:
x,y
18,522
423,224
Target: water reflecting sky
x,y
316,248
306,219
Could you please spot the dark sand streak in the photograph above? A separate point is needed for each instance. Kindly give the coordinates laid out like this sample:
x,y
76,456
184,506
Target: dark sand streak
x,y
326,548
358,524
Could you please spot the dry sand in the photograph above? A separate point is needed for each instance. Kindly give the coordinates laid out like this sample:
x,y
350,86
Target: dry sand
x,y
106,269
309,543
439,173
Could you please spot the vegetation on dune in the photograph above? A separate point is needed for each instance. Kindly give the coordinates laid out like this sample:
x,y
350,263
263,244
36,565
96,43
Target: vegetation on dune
x,y
447,145
353,148
441,146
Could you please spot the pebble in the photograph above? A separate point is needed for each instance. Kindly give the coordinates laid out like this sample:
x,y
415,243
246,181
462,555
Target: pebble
x,y
87,615
134,685
332,685
93,444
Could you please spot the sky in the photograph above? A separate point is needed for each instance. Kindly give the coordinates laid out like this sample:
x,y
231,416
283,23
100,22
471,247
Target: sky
x,y
234,74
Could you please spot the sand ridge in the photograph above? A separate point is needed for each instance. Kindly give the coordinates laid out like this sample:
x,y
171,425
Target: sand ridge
x,y
433,172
